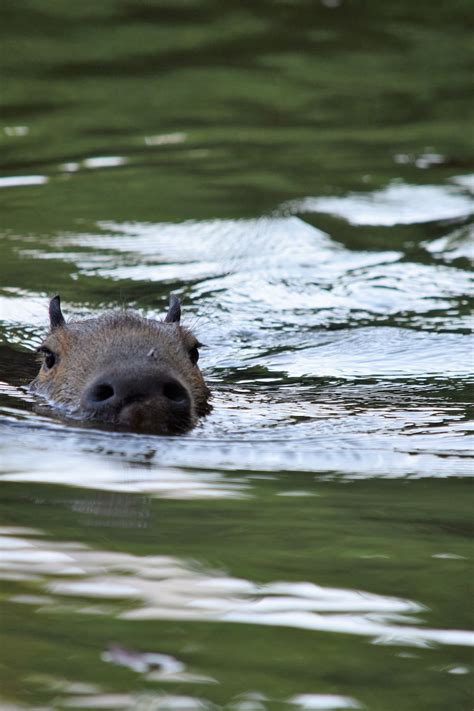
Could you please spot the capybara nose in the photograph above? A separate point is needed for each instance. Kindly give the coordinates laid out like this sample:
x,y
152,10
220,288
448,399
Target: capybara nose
x,y
110,393
175,392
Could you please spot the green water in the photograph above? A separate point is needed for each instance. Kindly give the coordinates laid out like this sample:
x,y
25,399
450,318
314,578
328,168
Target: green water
x,y
300,173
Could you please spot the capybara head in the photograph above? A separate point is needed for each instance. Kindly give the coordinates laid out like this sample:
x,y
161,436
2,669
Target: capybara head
x,y
124,371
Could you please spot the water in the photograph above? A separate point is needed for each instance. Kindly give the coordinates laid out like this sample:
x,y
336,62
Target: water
x,y
301,175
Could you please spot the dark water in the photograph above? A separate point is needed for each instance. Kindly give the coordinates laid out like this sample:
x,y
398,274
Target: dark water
x,y
301,174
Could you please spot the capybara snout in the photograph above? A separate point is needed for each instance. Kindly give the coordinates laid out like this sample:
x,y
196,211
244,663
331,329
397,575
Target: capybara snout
x,y
123,370
136,402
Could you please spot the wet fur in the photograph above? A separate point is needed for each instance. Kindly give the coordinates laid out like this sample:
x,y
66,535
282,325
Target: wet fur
x,y
122,342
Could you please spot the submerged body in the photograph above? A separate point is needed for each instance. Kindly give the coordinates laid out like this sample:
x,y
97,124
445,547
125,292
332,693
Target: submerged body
x,y
123,370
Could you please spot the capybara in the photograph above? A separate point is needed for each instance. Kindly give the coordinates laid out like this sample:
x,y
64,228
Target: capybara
x,y
124,371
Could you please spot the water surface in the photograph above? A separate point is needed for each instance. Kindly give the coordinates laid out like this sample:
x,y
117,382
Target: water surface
x,y
301,175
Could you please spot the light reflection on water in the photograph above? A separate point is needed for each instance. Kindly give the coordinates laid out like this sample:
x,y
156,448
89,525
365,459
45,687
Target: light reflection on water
x,y
165,587
18,181
321,358
296,270
361,431
309,201
397,204
109,474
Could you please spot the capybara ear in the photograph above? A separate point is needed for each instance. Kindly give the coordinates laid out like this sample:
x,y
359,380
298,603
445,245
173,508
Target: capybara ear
x,y
56,318
174,311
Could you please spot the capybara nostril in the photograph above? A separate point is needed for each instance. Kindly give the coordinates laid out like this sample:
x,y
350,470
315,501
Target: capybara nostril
x,y
99,396
101,392
177,393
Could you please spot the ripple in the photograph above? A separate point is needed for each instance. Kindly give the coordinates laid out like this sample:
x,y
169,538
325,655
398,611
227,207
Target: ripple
x,y
297,327
165,139
154,666
458,244
465,181
165,587
397,204
300,276
23,308
18,181
383,428
104,162
97,472
324,701
16,131
378,352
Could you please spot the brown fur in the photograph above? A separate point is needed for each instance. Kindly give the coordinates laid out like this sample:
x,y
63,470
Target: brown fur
x,y
129,354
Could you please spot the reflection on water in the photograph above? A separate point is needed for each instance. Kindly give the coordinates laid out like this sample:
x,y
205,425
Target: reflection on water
x,y
361,431
300,174
324,701
397,204
162,588
323,358
17,181
106,475
329,362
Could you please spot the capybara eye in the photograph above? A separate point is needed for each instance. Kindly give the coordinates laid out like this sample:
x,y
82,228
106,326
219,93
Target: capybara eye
x,y
50,358
194,355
